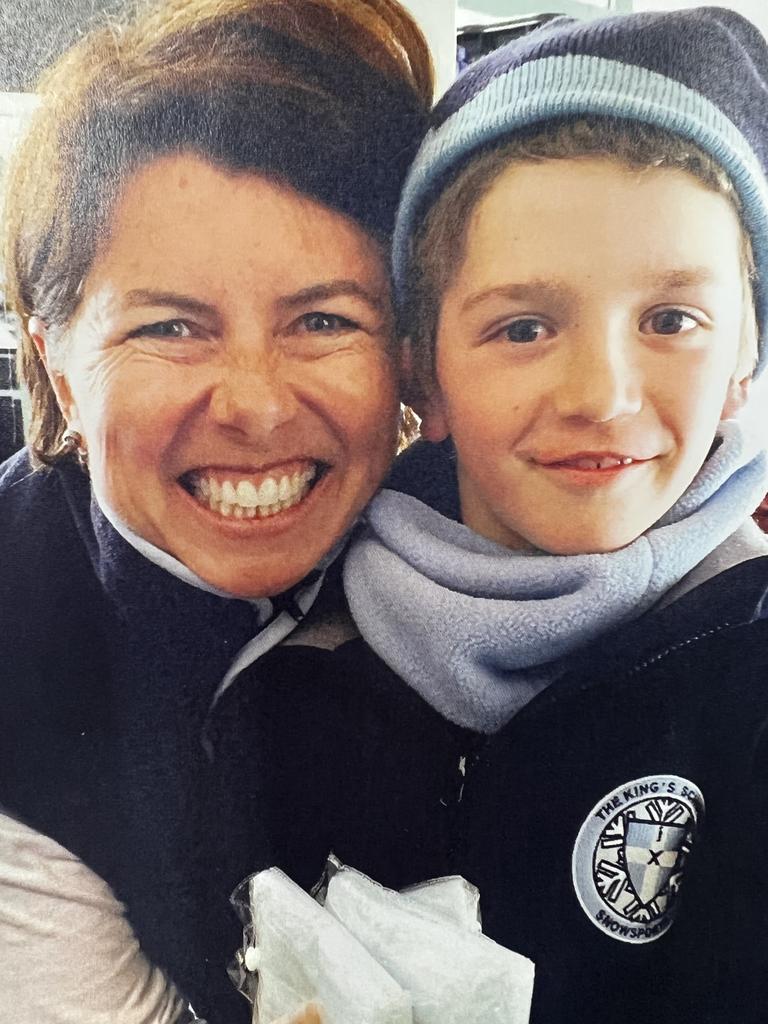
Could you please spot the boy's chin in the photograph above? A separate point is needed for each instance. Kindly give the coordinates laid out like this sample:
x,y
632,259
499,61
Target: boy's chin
x,y
589,541
562,532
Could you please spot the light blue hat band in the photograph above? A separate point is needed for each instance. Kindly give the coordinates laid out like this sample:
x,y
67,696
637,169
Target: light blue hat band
x,y
577,85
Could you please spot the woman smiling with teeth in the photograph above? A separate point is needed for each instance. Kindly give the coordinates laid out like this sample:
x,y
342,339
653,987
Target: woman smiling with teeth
x,y
220,368
247,500
197,234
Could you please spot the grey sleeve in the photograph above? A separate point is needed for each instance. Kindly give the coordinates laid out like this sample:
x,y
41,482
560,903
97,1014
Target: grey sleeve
x,y
67,952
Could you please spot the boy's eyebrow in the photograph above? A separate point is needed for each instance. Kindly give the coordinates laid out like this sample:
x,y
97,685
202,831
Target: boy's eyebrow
x,y
687,277
516,291
683,278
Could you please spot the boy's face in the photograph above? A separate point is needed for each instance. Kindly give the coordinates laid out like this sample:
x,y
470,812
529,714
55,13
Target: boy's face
x,y
586,351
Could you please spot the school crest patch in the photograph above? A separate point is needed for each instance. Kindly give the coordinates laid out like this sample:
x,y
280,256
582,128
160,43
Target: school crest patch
x,y
630,853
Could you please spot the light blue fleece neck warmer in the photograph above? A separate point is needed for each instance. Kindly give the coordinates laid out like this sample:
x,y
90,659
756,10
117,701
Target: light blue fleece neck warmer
x,y
477,629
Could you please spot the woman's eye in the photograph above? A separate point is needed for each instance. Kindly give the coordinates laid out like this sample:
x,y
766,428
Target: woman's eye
x,y
669,322
327,323
172,329
526,329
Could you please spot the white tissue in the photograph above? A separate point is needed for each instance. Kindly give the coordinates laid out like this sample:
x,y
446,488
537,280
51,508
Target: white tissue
x,y
304,954
454,976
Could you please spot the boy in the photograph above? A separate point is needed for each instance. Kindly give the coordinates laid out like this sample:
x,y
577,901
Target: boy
x,y
581,263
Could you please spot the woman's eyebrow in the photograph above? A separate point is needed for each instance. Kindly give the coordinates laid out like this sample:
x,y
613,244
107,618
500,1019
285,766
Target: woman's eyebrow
x,y
326,290
150,297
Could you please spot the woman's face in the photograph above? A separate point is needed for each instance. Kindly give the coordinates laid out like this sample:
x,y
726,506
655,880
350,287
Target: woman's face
x,y
228,368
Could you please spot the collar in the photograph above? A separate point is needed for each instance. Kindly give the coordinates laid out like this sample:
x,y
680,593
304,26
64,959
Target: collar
x,y
261,605
478,630
127,564
276,616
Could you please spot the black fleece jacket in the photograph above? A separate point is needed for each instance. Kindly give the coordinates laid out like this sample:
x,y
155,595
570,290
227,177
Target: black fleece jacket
x,y
316,748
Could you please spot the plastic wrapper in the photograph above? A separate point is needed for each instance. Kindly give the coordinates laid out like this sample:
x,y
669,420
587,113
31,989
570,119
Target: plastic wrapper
x,y
301,955
362,954
454,975
454,899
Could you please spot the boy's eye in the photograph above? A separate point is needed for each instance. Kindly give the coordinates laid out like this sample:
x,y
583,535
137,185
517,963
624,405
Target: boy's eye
x,y
327,323
526,329
668,322
173,329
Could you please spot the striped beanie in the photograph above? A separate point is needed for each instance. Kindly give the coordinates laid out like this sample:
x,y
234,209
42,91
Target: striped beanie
x,y
701,74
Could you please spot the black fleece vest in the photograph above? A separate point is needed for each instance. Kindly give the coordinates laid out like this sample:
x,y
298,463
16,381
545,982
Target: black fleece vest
x,y
107,675
108,670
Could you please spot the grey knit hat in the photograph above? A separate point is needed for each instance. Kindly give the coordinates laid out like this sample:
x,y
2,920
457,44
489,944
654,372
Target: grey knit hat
x,y
701,74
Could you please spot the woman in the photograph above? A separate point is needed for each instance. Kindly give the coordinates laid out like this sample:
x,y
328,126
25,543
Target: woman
x,y
196,247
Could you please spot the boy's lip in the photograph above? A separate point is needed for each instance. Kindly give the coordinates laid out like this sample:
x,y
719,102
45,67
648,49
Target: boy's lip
x,y
590,461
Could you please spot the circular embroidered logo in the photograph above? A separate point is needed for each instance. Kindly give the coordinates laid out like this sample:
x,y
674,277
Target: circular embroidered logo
x,y
630,854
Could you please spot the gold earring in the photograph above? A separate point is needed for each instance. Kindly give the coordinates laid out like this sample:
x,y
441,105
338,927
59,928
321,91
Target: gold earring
x,y
74,445
408,428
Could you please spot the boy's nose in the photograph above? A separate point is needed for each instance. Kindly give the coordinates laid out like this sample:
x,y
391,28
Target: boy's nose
x,y
600,378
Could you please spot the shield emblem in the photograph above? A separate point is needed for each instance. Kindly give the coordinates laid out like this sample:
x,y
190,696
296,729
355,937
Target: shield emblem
x,y
651,854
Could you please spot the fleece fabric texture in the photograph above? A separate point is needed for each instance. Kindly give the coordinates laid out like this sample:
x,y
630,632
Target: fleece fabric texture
x,y
109,668
113,750
315,750
404,795
486,628
700,74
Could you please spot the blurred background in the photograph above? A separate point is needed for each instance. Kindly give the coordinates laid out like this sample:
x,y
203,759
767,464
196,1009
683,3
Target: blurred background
x,y
34,32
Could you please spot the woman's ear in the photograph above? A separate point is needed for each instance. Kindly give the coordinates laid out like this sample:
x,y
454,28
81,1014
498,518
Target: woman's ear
x,y
40,335
736,396
423,397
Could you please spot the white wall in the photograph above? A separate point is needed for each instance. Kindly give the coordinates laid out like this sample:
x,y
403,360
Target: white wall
x,y
755,10
15,107
437,19
478,11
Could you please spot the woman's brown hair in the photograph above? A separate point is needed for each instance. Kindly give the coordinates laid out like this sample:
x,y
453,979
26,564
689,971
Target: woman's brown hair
x,y
328,96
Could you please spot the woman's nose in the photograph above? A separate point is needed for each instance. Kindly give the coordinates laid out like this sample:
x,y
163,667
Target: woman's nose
x,y
601,379
253,397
